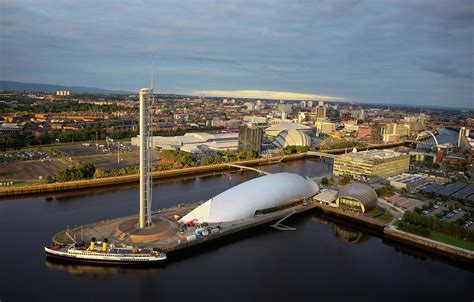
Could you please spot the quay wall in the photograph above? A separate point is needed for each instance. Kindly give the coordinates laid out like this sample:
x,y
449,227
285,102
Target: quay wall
x,y
353,218
242,227
41,189
429,245
391,233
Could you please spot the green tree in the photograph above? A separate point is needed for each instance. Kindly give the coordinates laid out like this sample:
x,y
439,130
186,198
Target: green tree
x,y
324,181
99,173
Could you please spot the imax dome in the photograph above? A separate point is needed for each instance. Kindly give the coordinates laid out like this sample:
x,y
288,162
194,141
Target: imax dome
x,y
364,194
242,201
292,137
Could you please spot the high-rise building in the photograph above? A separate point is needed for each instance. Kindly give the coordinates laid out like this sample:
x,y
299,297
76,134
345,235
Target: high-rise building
x,y
321,110
250,138
394,132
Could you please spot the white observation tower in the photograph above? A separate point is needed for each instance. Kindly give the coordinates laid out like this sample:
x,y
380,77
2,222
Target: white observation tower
x,y
146,154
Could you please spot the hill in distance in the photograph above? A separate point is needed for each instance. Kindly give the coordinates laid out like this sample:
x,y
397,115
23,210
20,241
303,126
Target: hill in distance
x,y
34,87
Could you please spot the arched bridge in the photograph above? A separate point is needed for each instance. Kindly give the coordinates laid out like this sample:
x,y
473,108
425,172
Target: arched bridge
x,y
418,137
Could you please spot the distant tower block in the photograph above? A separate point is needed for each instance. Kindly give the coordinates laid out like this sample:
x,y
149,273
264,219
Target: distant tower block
x,y
146,139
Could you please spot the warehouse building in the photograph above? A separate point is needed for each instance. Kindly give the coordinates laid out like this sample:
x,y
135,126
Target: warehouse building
x,y
190,142
408,181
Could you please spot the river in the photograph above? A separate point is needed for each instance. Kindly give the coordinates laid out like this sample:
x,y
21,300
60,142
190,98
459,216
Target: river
x,y
320,261
444,136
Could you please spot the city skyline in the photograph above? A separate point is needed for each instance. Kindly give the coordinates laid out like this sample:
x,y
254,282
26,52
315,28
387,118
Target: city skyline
x,y
419,54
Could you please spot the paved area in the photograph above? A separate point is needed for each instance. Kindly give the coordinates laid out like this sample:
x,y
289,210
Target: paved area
x,y
396,211
31,170
405,202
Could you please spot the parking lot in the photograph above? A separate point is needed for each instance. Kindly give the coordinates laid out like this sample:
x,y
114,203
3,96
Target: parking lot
x,y
15,156
443,210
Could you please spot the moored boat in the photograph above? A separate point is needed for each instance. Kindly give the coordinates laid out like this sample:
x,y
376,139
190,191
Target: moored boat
x,y
105,253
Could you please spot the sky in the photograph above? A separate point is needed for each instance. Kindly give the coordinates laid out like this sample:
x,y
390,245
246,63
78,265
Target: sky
x,y
394,52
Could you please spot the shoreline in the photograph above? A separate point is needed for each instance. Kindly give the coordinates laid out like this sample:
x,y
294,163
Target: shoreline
x,y
73,186
413,245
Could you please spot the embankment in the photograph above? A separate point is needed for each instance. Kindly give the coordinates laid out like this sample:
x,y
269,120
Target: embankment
x,y
389,233
42,189
426,244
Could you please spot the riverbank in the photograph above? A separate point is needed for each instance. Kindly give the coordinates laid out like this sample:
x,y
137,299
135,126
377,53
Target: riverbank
x,y
42,189
388,231
72,186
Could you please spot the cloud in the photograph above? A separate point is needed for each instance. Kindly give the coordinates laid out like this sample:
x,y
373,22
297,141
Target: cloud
x,y
262,94
412,51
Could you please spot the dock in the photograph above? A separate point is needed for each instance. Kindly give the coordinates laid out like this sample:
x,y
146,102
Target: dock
x,y
170,237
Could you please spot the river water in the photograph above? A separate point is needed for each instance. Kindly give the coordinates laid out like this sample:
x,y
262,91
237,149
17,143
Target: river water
x,y
320,261
444,136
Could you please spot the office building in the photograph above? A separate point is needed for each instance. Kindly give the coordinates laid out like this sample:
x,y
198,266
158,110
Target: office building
x,y
325,127
321,110
250,138
382,163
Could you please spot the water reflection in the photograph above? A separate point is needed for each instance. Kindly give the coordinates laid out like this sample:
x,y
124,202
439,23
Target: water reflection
x,y
80,269
349,235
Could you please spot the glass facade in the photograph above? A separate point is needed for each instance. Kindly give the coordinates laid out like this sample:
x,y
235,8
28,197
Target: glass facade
x,y
350,204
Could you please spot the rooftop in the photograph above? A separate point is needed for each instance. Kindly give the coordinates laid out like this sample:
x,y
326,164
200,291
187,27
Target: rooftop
x,y
374,155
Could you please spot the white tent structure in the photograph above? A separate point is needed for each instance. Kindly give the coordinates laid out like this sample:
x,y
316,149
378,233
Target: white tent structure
x,y
241,201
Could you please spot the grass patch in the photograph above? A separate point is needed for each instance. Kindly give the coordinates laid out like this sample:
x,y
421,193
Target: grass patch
x,y
386,217
452,241
375,213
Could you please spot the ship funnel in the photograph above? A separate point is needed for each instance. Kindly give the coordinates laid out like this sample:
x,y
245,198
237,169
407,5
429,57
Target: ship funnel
x,y
104,245
92,246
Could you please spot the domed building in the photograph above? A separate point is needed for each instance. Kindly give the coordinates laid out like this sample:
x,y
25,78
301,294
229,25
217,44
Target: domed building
x,y
275,130
292,137
260,194
357,197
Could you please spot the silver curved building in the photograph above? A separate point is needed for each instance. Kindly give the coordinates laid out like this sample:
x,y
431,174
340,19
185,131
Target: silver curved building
x,y
292,137
242,201
356,196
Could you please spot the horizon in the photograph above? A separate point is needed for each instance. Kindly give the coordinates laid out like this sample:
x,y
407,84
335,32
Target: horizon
x,y
262,97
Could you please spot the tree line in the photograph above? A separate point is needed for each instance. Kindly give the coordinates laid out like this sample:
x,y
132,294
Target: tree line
x,y
433,223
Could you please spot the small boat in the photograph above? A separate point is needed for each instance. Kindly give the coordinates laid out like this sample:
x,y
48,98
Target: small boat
x,y
105,254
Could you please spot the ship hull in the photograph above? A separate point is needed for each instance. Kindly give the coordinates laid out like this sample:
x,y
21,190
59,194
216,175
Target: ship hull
x,y
63,257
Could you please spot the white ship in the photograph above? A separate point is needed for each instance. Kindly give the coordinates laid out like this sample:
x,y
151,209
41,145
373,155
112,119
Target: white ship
x,y
105,254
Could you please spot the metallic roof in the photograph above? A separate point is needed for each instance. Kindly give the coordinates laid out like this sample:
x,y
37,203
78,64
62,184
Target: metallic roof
x,y
292,137
361,192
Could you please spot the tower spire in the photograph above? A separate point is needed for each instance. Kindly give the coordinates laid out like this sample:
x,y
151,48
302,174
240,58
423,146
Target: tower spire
x,y
146,148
